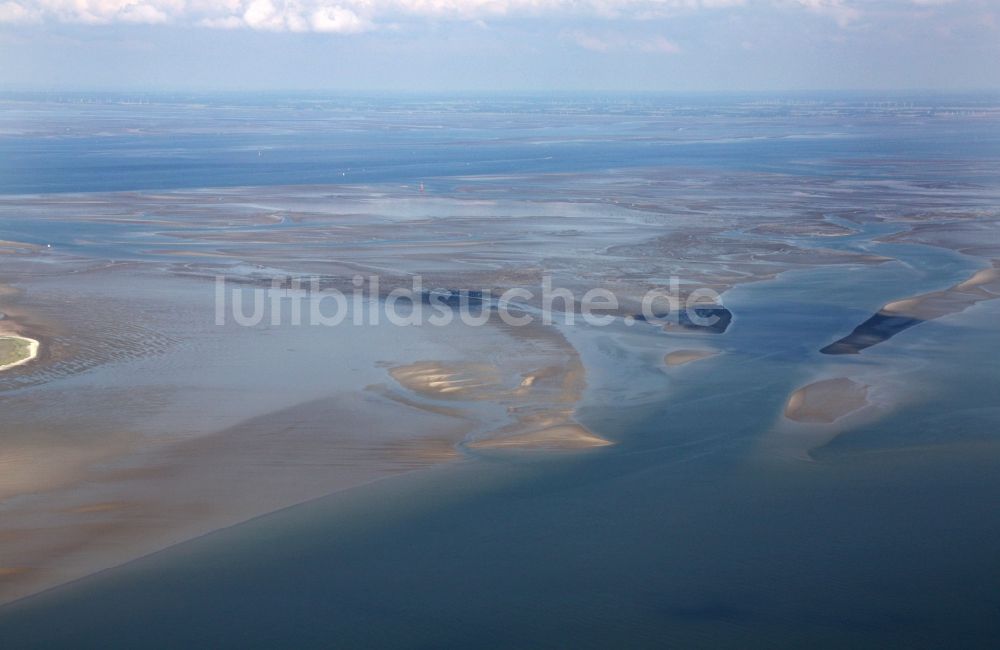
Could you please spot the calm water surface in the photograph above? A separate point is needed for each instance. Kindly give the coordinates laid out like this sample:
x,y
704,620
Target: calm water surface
x,y
690,532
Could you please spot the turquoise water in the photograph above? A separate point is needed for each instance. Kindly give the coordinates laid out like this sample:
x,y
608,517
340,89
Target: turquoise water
x,y
692,531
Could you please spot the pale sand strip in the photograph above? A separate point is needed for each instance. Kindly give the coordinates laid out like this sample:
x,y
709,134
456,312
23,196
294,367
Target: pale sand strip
x,y
116,505
163,494
682,357
167,494
32,350
986,278
538,383
564,436
982,285
826,401
899,315
450,381
539,401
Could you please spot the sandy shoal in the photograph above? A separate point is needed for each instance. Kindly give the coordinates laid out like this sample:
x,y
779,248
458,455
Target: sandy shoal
x,y
826,401
158,495
683,357
982,285
537,388
562,436
70,509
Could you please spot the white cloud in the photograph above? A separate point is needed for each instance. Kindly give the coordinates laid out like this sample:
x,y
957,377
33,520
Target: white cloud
x,y
337,20
15,12
660,45
589,41
225,22
840,10
263,14
143,13
618,42
352,16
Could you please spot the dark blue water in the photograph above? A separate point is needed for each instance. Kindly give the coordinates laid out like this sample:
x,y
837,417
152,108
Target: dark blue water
x,y
104,145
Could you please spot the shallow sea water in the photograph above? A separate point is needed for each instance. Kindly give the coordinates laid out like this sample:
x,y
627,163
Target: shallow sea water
x,y
698,528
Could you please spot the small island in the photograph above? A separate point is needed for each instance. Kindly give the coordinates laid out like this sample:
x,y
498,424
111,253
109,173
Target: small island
x,y
16,350
826,401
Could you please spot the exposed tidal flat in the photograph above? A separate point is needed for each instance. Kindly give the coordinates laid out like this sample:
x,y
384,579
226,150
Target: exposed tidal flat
x,y
200,426
506,486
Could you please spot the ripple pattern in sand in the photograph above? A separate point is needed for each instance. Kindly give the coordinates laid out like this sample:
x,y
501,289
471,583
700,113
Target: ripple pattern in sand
x,y
99,336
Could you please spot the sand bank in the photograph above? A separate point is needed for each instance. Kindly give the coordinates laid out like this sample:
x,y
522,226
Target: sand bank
x,y
450,381
826,401
158,495
534,386
119,465
682,357
899,315
563,436
538,403
113,490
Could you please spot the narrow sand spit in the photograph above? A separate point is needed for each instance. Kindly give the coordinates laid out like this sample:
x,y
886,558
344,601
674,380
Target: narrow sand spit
x,y
896,316
682,357
826,401
564,436
982,285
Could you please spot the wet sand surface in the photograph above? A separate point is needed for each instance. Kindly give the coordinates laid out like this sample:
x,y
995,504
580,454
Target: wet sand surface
x,y
82,480
130,439
684,357
826,401
635,488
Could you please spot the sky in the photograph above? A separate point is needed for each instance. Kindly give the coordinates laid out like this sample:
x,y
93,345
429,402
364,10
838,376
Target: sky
x,y
500,45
